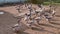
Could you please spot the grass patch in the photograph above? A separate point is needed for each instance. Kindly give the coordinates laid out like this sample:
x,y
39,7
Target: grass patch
x,y
48,3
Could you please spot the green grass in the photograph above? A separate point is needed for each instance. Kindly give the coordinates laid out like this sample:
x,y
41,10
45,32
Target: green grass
x,y
47,3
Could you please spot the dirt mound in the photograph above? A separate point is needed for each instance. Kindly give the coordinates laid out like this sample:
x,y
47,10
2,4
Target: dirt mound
x,y
6,21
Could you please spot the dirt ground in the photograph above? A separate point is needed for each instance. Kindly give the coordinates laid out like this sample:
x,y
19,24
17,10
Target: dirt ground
x,y
7,20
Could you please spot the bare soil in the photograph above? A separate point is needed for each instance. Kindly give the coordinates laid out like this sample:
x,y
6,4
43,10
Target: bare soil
x,y
7,20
